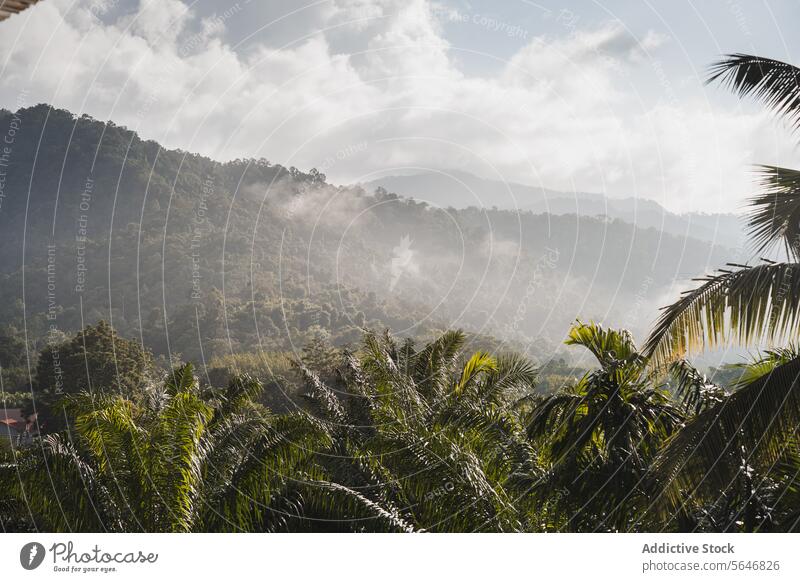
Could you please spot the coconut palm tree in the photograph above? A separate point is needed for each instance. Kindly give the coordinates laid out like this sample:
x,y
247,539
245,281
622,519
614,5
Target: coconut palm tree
x,y
598,436
746,304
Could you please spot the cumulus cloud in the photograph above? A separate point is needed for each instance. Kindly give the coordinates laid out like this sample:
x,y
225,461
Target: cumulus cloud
x,y
301,84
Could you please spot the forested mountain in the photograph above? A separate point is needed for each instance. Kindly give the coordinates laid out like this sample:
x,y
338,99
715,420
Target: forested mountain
x,y
204,258
461,189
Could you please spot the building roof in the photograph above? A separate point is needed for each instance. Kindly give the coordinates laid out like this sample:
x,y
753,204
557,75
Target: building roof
x,y
9,7
14,418
11,414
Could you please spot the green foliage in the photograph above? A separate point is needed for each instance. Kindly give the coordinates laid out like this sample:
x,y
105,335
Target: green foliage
x,y
427,435
14,375
775,212
397,438
718,471
407,440
15,399
12,350
723,446
772,82
746,305
96,361
179,460
282,387
597,437
695,390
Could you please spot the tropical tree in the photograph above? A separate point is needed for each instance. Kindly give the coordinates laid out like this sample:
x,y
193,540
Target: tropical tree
x,y
96,359
430,435
726,470
403,440
184,459
746,304
597,437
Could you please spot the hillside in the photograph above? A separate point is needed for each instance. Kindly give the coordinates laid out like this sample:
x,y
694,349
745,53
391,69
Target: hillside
x,y
203,258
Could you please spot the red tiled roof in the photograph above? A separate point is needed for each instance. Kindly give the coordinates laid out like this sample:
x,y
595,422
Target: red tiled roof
x,y
11,414
13,418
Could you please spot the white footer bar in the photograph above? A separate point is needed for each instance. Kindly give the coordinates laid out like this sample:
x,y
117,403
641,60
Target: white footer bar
x,y
415,557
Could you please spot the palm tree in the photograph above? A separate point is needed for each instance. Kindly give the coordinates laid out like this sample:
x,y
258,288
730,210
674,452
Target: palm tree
x,y
404,440
745,304
184,459
760,301
598,436
430,436
725,470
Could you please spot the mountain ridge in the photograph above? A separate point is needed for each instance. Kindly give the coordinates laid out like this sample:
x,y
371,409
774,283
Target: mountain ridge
x,y
460,189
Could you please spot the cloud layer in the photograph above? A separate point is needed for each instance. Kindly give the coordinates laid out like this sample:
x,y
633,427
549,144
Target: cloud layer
x,y
366,86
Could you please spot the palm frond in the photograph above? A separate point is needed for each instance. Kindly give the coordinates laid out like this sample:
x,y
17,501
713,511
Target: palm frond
x,y
241,390
479,363
764,363
436,362
181,379
324,400
514,378
60,488
693,388
749,427
605,344
254,487
352,508
774,216
174,452
743,305
774,83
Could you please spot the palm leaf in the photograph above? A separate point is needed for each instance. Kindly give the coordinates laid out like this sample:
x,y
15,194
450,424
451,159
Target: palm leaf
x,y
774,217
750,426
324,400
336,501
605,344
436,362
744,305
513,373
241,391
764,363
479,363
181,379
772,82
693,388
60,488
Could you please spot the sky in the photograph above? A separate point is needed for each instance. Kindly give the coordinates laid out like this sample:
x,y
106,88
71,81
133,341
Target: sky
x,y
602,97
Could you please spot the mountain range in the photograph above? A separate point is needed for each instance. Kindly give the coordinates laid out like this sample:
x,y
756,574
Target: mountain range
x,y
459,189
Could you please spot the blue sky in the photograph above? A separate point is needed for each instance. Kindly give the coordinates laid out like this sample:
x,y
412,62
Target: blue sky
x,y
598,96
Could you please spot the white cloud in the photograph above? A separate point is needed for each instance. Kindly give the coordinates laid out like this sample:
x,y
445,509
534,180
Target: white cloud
x,y
564,111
